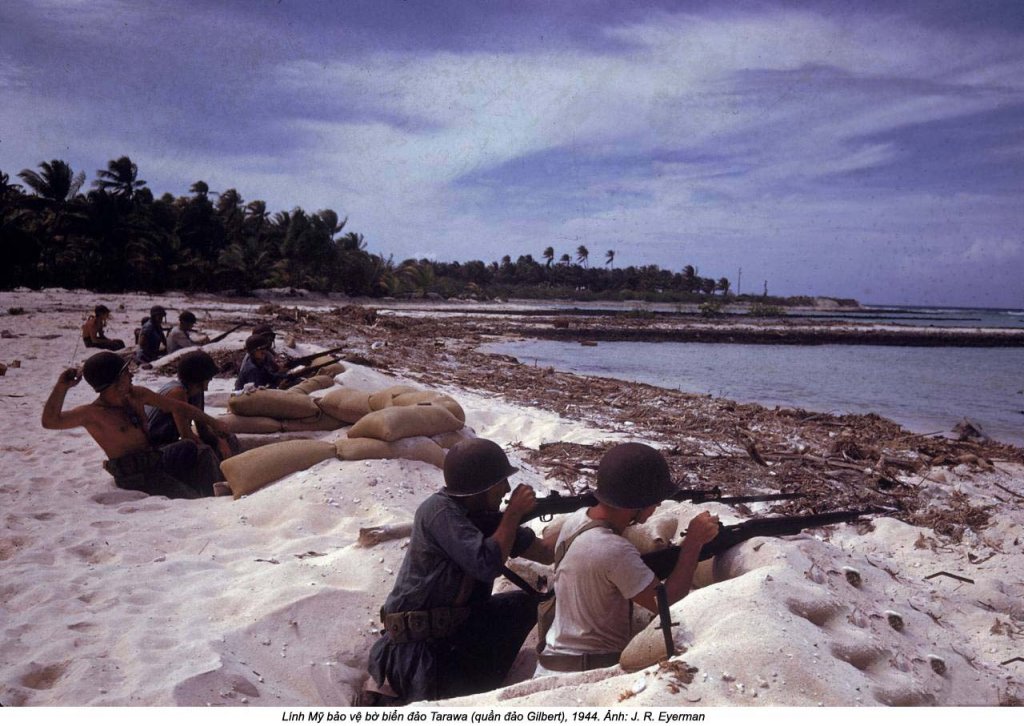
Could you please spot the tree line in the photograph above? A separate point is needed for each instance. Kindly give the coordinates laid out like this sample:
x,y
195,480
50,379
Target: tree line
x,y
118,236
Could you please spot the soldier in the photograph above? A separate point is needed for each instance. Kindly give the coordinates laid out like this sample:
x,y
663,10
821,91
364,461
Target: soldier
x,y
151,339
258,365
195,371
181,334
93,333
445,634
599,573
116,420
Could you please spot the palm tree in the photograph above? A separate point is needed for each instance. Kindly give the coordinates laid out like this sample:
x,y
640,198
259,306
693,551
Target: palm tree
x,y
549,256
200,189
352,242
690,278
8,190
609,257
120,178
723,286
56,183
582,254
564,259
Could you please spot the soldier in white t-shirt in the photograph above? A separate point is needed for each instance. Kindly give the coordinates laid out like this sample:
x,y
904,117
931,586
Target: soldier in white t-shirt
x,y
600,572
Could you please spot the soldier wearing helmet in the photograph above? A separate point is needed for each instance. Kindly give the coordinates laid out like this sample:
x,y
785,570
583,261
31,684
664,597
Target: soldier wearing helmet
x,y
258,365
598,572
116,420
195,371
152,340
445,634
181,334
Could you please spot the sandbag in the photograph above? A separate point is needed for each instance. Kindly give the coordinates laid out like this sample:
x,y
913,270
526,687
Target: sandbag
x,y
647,648
448,440
316,383
414,398
332,370
254,469
249,424
417,448
323,360
320,422
272,403
385,398
400,422
345,404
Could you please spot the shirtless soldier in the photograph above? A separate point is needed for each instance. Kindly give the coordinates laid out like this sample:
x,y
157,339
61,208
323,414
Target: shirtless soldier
x,y
93,334
116,420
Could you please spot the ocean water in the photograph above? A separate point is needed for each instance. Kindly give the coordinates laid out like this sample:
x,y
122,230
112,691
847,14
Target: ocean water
x,y
926,390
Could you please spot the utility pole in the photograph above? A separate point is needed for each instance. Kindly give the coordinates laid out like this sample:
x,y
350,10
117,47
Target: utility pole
x,y
739,281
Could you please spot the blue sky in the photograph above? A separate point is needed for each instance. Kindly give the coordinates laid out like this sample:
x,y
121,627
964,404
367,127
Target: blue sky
x,y
870,149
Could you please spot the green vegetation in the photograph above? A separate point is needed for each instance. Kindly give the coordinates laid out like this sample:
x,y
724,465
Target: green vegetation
x,y
117,236
711,308
765,310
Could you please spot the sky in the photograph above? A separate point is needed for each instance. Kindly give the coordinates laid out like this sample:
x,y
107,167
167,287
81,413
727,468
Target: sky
x,y
872,150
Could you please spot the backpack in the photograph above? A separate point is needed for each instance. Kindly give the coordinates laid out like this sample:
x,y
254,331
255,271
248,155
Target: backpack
x,y
546,608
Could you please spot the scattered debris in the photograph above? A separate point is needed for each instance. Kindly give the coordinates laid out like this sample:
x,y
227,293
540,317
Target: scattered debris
x,y
943,573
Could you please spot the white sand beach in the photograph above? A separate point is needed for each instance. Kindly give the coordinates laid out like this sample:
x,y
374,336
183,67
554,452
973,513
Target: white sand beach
x,y
113,598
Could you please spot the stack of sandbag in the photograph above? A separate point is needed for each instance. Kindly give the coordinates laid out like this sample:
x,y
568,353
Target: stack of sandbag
x,y
254,469
267,411
399,422
408,396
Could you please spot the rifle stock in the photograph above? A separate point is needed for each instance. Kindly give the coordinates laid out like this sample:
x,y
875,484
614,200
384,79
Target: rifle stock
x,y
662,562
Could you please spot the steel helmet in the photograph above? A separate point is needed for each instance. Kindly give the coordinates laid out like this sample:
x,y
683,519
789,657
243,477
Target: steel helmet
x,y
258,342
633,476
475,466
196,366
102,370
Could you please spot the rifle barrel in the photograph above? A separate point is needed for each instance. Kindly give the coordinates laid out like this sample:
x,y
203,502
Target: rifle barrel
x,y
556,503
662,562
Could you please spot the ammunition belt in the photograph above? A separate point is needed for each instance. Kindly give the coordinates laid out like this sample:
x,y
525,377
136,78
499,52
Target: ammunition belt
x,y
414,625
141,462
572,663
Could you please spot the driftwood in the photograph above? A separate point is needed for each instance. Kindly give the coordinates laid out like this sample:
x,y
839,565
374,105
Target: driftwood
x,y
370,536
837,461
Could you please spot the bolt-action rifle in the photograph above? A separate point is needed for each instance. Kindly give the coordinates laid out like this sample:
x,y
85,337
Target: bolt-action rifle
x,y
662,562
226,333
305,360
556,503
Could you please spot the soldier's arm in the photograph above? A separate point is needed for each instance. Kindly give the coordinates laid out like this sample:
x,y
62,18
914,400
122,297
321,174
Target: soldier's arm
x,y
542,549
701,530
54,415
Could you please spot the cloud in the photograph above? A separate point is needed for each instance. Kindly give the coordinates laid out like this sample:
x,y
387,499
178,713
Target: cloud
x,y
782,140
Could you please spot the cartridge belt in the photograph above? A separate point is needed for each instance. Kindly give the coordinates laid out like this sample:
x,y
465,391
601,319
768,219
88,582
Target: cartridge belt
x,y
414,625
572,663
141,462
